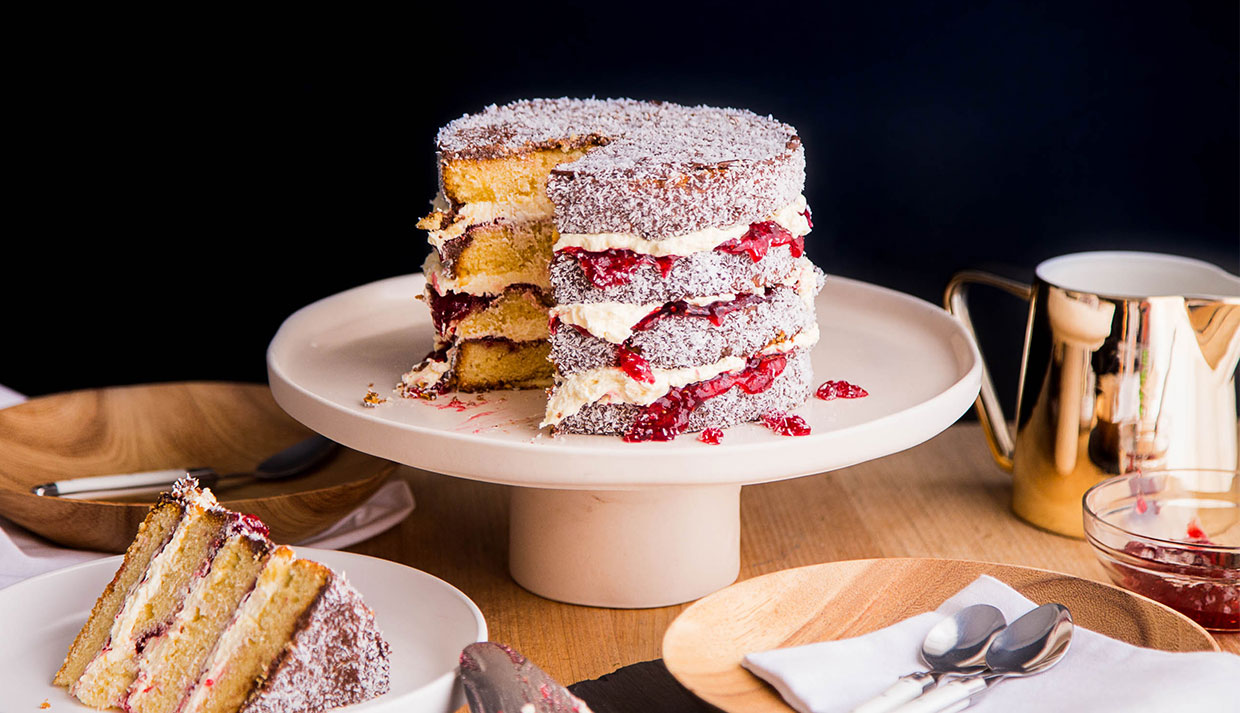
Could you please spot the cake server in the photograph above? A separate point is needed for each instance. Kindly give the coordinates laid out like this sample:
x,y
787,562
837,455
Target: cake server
x,y
498,679
294,460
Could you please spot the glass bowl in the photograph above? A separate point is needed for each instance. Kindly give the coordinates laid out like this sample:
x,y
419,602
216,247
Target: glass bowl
x,y
1172,536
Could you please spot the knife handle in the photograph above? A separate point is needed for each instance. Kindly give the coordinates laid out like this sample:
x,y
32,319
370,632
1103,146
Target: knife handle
x,y
902,691
119,482
946,697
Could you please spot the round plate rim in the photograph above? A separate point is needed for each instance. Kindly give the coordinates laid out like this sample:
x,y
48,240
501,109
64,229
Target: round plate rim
x,y
659,463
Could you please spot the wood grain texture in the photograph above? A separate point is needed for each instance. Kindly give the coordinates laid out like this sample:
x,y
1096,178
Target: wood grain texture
x,y
228,426
703,648
944,498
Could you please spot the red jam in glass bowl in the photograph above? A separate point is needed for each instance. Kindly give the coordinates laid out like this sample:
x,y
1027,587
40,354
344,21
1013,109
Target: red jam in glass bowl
x,y
1172,536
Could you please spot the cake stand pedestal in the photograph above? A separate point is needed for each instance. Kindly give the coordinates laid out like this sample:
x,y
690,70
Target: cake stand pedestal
x,y
625,548
594,520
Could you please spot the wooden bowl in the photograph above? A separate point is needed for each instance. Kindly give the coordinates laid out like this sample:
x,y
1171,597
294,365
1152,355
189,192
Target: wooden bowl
x,y
227,426
704,646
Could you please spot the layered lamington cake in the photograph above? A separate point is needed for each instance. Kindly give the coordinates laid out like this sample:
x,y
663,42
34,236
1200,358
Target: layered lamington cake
x,y
664,245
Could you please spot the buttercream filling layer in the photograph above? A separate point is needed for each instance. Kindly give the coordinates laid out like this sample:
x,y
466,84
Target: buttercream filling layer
x,y
615,322
490,284
793,217
447,223
613,384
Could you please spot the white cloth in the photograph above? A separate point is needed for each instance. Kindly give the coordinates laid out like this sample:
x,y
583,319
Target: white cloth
x,y
24,554
1098,673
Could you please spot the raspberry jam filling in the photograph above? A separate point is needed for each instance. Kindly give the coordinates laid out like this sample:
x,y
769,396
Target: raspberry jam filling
x,y
448,309
831,390
614,267
635,365
761,237
668,416
713,436
453,307
715,311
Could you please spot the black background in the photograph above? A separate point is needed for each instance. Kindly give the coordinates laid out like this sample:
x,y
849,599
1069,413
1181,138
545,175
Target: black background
x,y
186,183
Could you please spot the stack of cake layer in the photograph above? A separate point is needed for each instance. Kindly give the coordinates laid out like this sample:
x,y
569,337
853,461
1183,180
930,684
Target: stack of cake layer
x,y
680,295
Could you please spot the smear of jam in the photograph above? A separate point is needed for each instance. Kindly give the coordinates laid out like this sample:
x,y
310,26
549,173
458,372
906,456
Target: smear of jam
x,y
614,267
761,237
785,424
634,364
831,390
809,220
668,416
711,435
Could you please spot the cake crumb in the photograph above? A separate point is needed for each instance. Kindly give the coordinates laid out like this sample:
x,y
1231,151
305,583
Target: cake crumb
x,y
45,704
372,397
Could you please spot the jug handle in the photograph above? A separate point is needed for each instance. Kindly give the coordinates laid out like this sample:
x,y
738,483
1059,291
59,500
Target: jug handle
x,y
989,410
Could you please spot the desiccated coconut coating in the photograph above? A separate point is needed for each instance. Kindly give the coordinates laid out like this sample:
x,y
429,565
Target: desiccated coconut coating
x,y
337,657
680,341
789,390
662,170
712,272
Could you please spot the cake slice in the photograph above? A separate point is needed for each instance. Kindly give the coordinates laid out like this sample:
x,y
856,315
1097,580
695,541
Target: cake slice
x,y
154,599
171,662
205,613
302,640
153,534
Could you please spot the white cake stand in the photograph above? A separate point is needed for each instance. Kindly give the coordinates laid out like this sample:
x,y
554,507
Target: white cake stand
x,y
595,520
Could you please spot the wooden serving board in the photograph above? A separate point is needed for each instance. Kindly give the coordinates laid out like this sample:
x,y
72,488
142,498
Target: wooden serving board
x,y
704,646
227,426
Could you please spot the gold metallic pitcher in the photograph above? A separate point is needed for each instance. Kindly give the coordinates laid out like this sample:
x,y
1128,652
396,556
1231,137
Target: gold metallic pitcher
x,y
1129,364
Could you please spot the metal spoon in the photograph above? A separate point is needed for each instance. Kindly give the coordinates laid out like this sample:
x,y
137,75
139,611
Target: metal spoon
x,y
957,644
298,458
1030,645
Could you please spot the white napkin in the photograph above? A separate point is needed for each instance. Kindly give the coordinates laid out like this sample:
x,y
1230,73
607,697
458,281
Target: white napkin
x,y
1098,673
24,554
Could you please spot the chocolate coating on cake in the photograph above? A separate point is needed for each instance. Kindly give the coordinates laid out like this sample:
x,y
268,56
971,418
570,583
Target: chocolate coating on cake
x,y
789,390
658,170
712,272
681,341
337,657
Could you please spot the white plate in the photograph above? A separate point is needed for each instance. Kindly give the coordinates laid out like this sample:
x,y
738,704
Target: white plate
x,y
919,365
426,620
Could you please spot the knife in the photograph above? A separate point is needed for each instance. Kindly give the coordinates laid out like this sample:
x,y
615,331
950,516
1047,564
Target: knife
x,y
294,460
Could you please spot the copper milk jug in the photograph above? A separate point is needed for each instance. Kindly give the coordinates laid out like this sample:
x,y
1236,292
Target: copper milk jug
x,y
1129,364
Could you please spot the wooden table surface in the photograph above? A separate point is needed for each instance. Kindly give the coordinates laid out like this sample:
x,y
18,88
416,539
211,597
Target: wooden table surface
x,y
944,498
